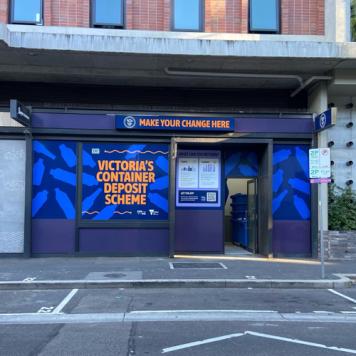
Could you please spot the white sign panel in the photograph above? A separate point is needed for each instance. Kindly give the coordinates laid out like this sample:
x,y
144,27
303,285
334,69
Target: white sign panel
x,y
209,173
319,163
188,172
198,178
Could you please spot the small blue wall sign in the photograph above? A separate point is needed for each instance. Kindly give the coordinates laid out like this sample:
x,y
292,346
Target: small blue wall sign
x,y
325,120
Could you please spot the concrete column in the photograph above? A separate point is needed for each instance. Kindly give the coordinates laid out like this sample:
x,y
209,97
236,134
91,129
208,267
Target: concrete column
x,y
318,102
337,20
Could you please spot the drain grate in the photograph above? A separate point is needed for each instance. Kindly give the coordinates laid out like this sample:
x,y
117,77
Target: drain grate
x,y
197,265
115,275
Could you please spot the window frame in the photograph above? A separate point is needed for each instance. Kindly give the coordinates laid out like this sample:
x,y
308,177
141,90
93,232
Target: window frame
x,y
95,24
265,30
12,19
201,18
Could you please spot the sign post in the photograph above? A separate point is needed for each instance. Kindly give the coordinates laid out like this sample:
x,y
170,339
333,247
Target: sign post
x,y
320,172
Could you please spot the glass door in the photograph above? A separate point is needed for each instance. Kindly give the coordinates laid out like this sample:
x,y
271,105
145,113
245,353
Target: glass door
x,y
252,215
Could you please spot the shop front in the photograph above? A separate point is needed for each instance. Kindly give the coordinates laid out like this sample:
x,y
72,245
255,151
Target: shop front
x,y
149,185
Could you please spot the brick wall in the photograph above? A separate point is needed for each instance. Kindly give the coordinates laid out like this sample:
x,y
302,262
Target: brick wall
x,y
302,17
148,15
226,16
298,17
3,11
339,245
66,13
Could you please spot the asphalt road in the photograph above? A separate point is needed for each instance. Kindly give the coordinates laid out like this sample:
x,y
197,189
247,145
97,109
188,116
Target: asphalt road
x,y
264,328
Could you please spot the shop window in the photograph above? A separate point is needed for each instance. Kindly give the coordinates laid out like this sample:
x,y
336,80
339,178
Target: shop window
x,y
108,13
124,181
187,15
54,179
264,16
26,12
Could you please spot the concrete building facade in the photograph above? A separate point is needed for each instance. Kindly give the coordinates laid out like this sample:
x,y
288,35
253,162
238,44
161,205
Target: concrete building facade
x,y
82,75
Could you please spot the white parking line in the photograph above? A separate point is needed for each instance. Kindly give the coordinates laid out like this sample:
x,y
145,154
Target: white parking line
x,y
262,335
201,342
65,301
300,342
342,295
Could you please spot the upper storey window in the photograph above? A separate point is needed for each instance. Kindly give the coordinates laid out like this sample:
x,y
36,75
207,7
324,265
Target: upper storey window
x,y
187,15
264,16
108,13
26,12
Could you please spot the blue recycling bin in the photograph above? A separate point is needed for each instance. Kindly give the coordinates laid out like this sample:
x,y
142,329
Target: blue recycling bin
x,y
239,219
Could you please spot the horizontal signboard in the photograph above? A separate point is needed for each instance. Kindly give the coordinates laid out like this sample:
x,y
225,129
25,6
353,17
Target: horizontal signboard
x,y
174,123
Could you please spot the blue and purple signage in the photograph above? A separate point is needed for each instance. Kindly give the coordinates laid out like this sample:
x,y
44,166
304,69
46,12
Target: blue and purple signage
x,y
125,181
54,179
174,123
325,120
198,179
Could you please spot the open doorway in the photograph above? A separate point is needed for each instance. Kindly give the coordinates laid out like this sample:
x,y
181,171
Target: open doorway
x,y
240,214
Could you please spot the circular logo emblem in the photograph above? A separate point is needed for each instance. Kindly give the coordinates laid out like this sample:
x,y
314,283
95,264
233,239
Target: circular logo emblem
x,y
129,122
322,121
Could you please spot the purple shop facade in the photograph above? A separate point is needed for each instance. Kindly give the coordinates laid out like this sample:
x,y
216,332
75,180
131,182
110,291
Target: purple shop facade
x,y
76,213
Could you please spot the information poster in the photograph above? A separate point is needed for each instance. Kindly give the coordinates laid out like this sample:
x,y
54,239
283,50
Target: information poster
x,y
198,179
125,181
188,172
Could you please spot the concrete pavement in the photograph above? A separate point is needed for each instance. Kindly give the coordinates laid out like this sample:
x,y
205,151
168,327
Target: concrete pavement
x,y
183,272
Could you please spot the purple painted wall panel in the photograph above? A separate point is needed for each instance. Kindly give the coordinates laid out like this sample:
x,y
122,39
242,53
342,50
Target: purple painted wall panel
x,y
291,237
53,236
125,241
297,125
199,231
73,121
107,122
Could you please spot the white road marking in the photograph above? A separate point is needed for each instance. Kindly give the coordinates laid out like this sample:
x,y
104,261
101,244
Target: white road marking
x,y
262,335
250,277
348,312
171,265
201,342
65,301
45,310
300,342
323,312
342,296
29,279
